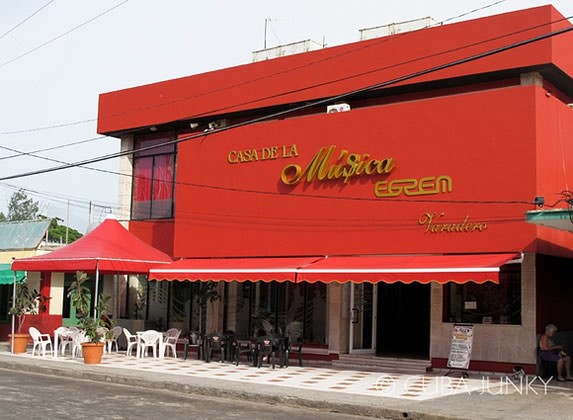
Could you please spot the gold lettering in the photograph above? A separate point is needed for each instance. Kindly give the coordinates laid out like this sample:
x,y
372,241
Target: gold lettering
x,y
289,179
413,187
293,151
274,152
430,222
345,167
266,153
232,157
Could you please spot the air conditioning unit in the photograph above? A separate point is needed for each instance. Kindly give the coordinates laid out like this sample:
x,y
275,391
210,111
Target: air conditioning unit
x,y
337,108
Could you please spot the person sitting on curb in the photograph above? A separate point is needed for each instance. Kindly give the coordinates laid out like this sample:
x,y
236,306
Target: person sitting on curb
x,y
551,352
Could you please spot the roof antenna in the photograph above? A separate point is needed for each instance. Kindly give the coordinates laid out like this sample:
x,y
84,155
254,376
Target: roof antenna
x,y
265,39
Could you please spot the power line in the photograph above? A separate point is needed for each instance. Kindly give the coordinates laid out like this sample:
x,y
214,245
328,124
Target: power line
x,y
27,19
391,66
479,9
59,198
75,28
19,153
311,104
242,190
331,57
57,160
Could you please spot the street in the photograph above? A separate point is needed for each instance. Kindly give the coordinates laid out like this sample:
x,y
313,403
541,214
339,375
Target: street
x,y
25,395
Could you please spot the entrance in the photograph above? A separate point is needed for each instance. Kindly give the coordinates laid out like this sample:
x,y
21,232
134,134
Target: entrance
x,y
403,328
69,318
363,303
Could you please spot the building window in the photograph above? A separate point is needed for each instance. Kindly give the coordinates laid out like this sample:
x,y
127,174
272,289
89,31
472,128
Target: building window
x,y
298,309
5,297
153,177
487,303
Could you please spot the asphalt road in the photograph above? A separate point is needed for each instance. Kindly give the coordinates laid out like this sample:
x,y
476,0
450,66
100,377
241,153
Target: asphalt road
x,y
24,396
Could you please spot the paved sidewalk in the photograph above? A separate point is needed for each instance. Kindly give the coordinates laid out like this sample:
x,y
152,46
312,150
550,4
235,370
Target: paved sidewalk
x,y
384,394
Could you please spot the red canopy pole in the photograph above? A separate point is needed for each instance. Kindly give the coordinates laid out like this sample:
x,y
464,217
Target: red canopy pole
x,y
13,316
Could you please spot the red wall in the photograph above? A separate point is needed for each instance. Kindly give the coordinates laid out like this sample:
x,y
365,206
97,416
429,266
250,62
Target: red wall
x,y
554,129
157,233
340,69
484,141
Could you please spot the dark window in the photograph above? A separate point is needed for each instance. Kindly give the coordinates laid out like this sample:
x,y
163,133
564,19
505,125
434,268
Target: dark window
x,y
298,309
486,303
5,297
153,177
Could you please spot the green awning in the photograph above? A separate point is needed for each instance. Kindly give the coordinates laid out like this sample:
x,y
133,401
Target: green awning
x,y
7,275
561,219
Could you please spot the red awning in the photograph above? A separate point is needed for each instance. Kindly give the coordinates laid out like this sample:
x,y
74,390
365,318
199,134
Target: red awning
x,y
407,269
388,269
109,247
232,269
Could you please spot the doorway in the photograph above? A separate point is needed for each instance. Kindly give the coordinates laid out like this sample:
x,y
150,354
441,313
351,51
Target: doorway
x,y
363,304
69,317
403,327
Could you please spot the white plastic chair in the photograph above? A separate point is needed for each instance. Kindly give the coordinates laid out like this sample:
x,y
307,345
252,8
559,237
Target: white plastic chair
x,y
102,331
149,338
115,334
131,341
78,337
64,338
41,341
170,341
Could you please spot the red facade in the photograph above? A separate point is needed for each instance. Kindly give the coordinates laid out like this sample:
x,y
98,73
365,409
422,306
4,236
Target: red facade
x,y
465,150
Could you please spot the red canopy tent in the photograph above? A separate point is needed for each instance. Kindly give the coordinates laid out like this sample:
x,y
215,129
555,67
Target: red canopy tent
x,y
109,248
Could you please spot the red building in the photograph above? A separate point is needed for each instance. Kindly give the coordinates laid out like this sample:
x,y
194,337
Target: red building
x,y
451,133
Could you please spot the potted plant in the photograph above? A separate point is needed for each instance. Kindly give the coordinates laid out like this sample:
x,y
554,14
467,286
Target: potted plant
x,y
27,302
93,328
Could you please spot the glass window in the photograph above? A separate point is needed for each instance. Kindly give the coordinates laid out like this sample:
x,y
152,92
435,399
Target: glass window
x,y
487,303
298,309
153,177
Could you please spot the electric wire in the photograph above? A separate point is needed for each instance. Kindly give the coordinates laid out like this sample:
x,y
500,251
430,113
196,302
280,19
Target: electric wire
x,y
330,57
313,104
185,138
50,41
304,106
32,153
26,20
61,199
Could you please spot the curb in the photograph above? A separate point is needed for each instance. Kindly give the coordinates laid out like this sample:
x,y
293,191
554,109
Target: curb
x,y
121,378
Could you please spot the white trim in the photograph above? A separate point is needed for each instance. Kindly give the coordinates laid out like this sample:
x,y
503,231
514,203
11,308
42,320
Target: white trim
x,y
47,260
401,270
226,270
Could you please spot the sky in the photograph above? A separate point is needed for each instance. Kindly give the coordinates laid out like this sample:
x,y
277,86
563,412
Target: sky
x,y
53,67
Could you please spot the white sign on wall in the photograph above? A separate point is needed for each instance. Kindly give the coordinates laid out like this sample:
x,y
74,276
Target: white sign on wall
x,y
461,346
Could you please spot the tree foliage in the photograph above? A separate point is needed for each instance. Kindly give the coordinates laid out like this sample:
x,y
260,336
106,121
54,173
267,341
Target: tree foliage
x,y
21,207
57,232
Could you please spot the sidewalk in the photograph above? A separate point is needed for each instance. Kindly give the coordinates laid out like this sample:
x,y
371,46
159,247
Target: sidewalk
x,y
384,395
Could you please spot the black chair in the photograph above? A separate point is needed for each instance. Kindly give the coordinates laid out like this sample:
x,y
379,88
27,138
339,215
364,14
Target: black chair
x,y
270,346
293,346
242,347
194,340
215,343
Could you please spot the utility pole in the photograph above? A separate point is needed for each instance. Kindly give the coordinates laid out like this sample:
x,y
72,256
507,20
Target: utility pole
x,y
67,222
90,216
265,39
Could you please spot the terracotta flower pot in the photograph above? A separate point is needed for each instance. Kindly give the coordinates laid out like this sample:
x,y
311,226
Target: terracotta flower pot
x,y
92,352
20,342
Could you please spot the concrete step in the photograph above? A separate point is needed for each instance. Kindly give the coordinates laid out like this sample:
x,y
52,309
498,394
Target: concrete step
x,y
382,364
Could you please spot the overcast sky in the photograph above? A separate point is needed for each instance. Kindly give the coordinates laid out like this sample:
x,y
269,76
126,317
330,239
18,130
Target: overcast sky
x,y
144,41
